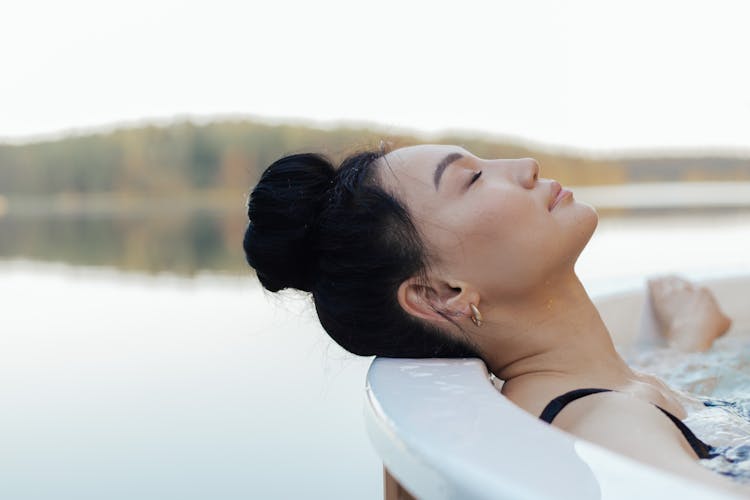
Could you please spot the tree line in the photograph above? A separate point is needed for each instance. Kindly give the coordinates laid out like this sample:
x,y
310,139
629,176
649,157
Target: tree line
x,y
230,155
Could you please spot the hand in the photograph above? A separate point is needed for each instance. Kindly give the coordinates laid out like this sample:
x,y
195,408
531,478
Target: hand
x,y
688,316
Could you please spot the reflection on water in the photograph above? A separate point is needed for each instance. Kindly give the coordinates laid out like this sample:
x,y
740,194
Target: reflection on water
x,y
127,386
123,385
189,240
183,242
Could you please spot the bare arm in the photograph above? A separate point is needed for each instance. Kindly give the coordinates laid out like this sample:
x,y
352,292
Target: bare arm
x,y
639,430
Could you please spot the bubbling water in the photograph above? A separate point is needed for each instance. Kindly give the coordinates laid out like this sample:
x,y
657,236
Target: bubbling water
x,y
715,386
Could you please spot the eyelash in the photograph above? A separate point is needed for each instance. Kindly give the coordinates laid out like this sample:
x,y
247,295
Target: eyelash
x,y
475,177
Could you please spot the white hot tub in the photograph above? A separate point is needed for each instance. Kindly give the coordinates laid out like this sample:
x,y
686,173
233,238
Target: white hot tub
x,y
443,430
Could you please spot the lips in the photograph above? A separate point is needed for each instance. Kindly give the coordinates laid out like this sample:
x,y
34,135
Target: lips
x,y
557,193
555,190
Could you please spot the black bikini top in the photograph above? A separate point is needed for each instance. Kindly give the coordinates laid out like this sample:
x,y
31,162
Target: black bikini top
x,y
554,407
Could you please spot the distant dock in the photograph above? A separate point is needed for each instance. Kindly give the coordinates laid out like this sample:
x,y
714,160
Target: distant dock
x,y
666,196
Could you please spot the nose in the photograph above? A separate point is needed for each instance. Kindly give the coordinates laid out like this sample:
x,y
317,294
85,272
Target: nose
x,y
527,172
521,171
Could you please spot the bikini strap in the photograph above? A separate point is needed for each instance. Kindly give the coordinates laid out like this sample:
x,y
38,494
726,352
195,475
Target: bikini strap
x,y
556,405
700,448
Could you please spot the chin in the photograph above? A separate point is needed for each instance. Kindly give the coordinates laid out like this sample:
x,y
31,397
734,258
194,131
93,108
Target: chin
x,y
593,214
587,219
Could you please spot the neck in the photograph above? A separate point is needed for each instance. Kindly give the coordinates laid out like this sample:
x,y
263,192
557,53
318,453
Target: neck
x,y
555,331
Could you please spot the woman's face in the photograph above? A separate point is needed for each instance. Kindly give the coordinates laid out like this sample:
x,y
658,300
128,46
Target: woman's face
x,y
504,231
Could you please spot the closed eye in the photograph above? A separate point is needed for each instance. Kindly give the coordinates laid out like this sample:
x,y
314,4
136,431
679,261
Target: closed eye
x,y
475,177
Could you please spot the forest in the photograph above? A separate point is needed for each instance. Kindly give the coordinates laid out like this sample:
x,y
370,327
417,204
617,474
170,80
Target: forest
x,y
227,157
173,198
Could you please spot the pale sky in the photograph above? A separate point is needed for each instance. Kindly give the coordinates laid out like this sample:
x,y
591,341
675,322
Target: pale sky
x,y
599,75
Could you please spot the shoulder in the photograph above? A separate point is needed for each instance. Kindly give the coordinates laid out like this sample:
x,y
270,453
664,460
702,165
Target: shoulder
x,y
627,424
617,420
607,407
637,429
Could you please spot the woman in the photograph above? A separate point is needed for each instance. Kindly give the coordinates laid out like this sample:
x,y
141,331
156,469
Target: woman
x,y
430,251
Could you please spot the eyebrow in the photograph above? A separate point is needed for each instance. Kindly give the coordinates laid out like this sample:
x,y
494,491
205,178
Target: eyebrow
x,y
442,166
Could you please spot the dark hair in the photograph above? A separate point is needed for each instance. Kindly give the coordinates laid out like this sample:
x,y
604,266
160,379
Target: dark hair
x,y
339,235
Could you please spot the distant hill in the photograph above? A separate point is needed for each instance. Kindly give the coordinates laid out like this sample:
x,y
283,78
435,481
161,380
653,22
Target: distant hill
x,y
229,156
686,169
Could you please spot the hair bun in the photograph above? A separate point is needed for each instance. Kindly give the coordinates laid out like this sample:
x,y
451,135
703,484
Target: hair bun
x,y
283,209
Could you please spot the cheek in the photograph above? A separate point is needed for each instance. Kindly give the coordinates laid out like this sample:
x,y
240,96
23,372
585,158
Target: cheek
x,y
509,234
512,236
511,222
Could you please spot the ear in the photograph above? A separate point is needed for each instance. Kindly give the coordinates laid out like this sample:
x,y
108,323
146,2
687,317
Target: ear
x,y
428,300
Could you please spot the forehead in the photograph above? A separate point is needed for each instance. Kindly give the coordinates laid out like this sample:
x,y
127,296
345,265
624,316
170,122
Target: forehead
x,y
414,164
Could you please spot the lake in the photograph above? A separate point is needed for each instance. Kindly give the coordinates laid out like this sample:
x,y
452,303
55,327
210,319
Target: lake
x,y
139,358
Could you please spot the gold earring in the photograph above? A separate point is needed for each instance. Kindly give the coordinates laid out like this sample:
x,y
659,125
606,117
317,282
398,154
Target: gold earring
x,y
476,316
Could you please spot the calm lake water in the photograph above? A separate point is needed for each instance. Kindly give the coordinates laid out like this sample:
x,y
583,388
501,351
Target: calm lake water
x,y
164,381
